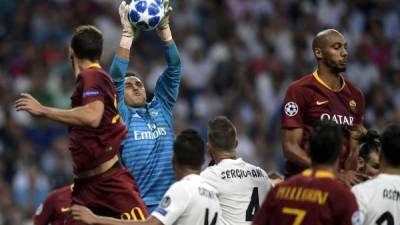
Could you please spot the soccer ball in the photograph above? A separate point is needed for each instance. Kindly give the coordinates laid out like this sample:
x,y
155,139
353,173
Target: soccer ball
x,y
146,14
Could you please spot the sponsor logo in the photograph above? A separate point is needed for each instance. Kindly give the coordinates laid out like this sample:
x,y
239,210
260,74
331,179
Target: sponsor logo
x,y
291,108
322,102
149,135
339,119
136,115
91,93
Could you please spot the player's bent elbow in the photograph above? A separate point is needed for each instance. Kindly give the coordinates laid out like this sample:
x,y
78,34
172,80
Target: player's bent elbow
x,y
92,122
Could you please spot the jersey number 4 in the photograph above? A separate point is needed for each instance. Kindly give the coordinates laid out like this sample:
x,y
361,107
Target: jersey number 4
x,y
214,220
254,205
387,216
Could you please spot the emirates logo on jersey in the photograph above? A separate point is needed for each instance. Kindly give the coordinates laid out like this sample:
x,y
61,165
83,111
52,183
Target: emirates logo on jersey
x,y
353,106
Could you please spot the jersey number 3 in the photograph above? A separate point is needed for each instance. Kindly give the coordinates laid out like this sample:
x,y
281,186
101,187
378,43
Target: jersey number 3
x,y
254,205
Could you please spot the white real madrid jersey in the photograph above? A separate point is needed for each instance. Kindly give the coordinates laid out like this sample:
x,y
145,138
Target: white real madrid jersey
x,y
379,199
190,201
241,189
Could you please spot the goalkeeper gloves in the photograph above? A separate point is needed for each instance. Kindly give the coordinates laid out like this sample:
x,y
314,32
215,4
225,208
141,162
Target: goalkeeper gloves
x,y
128,30
164,23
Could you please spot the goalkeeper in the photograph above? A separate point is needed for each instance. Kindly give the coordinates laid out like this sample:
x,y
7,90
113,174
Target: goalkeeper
x,y
147,151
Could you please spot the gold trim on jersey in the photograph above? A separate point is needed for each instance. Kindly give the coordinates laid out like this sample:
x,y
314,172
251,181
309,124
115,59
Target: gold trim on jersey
x,y
318,173
95,65
316,76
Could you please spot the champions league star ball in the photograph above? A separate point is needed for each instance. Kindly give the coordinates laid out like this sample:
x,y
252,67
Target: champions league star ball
x,y
146,14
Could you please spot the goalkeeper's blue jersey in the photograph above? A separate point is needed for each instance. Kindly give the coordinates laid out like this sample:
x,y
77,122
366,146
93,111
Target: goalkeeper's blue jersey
x,y
147,151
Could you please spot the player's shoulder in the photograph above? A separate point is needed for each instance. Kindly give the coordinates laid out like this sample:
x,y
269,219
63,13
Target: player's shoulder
x,y
302,84
353,88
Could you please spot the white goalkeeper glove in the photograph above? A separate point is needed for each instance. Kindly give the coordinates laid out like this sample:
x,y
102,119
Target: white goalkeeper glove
x,y
128,30
163,27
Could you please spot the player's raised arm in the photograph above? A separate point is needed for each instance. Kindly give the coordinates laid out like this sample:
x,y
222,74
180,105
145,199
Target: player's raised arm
x,y
167,87
120,63
88,115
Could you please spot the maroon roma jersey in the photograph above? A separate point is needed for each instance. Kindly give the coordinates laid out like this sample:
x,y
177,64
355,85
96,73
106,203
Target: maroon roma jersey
x,y
91,147
312,198
55,207
309,99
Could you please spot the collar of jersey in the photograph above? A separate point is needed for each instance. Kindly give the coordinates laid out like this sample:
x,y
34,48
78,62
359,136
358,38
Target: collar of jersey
x,y
140,110
318,173
316,76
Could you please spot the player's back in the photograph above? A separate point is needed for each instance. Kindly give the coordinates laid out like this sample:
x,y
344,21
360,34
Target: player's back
x,y
312,198
92,146
189,201
241,189
379,199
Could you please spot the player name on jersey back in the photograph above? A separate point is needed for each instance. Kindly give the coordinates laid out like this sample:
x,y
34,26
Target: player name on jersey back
x,y
240,174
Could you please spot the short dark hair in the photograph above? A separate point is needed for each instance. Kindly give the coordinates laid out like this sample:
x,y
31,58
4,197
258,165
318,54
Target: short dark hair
x,y
87,42
189,149
221,133
325,142
130,74
390,141
369,142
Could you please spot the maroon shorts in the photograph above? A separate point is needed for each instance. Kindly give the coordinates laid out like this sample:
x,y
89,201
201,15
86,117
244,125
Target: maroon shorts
x,y
113,193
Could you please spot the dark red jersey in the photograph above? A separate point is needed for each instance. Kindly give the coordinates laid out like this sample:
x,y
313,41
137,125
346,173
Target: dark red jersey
x,y
312,198
55,208
309,99
91,147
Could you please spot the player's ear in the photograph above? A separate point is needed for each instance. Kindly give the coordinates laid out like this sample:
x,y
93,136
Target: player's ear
x,y
360,163
236,143
318,53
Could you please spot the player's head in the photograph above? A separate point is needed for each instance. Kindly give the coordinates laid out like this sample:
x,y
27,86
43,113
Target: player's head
x,y
221,135
135,93
86,43
390,142
330,48
188,150
368,159
325,142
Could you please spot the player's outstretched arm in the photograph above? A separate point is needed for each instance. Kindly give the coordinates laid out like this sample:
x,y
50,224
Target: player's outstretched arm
x,y
83,214
88,115
119,65
167,87
291,140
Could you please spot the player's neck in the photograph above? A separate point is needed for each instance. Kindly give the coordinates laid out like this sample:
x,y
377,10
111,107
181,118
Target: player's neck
x,y
390,170
184,171
330,78
82,64
219,156
323,167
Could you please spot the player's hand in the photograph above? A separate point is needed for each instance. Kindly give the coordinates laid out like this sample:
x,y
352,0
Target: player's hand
x,y
29,104
164,23
128,30
351,178
83,214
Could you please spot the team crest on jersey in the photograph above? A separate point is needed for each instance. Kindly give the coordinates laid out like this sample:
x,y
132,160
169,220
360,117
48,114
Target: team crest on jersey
x,y
291,108
165,202
353,106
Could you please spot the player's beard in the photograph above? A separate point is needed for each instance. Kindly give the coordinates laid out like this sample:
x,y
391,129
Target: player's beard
x,y
335,67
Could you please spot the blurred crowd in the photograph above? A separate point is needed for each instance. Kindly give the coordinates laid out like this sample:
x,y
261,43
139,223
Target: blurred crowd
x,y
238,57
